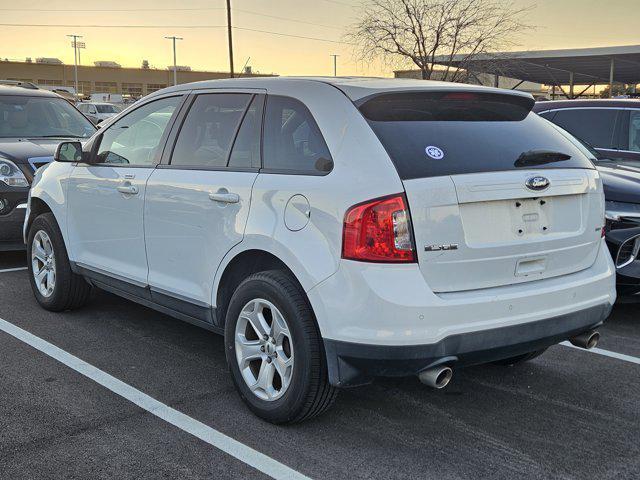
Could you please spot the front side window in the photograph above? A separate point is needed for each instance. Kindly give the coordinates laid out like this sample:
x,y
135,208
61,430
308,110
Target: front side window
x,y
209,129
135,138
634,131
292,139
593,125
41,117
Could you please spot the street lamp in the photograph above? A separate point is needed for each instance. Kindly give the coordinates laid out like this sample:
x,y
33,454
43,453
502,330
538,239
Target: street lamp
x,y
75,44
175,67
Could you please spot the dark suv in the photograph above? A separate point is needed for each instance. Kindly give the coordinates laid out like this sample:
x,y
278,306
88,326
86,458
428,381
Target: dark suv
x,y
612,127
32,123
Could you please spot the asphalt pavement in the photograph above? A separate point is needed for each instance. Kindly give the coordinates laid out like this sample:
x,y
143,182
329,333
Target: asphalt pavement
x,y
569,414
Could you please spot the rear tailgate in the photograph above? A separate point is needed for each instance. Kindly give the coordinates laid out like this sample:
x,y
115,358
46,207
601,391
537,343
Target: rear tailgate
x,y
497,195
485,230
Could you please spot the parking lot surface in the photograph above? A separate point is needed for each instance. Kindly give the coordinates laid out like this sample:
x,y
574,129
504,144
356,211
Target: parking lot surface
x,y
569,414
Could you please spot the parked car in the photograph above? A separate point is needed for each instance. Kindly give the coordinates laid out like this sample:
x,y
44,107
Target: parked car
x,y
611,129
334,230
611,126
98,112
32,123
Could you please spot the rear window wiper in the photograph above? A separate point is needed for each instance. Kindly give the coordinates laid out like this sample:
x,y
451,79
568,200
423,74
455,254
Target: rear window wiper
x,y
540,157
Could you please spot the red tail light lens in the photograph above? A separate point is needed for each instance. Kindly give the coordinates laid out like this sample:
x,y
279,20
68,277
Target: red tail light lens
x,y
379,231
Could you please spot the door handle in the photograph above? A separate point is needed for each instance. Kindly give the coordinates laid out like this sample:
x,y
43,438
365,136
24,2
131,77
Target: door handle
x,y
224,197
128,189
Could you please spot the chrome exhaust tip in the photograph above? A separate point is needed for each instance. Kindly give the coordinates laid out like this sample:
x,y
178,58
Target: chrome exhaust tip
x,y
436,377
586,340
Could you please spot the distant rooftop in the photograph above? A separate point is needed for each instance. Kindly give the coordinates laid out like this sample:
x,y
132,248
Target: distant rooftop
x,y
585,66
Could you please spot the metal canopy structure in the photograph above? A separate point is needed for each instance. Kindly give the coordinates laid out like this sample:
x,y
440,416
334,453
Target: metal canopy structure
x,y
583,66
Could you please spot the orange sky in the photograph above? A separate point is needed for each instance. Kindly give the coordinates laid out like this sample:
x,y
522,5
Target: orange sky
x,y
560,24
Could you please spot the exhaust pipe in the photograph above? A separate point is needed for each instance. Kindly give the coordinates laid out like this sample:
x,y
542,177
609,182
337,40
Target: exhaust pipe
x,y
436,377
586,339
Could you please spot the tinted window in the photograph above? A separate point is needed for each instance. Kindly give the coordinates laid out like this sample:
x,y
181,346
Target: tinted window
x,y
209,129
421,145
32,117
107,109
135,138
246,148
292,139
595,126
634,131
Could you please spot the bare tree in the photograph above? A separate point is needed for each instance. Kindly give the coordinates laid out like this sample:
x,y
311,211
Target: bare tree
x,y
422,31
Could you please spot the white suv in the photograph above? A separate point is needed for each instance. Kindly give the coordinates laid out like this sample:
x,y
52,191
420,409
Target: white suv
x,y
334,230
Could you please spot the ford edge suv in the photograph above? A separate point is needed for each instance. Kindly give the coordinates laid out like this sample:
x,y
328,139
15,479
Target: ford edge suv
x,y
333,230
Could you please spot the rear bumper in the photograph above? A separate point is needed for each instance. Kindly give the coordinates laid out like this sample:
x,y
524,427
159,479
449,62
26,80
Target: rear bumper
x,y
352,364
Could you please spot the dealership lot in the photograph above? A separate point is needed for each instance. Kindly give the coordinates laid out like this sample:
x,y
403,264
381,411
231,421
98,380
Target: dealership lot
x,y
567,414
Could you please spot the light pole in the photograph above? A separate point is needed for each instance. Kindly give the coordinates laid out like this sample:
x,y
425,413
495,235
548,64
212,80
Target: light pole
x,y
335,64
175,66
74,44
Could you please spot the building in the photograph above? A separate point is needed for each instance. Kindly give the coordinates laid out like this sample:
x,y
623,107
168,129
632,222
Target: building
x,y
535,89
108,77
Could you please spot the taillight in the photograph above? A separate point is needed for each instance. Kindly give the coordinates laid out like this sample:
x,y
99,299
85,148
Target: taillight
x,y
379,231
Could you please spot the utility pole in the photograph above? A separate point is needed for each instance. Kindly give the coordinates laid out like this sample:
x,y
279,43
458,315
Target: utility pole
x,y
335,64
75,61
229,28
175,65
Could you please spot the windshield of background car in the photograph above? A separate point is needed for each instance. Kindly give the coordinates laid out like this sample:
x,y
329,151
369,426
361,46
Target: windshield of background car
x,y
429,134
107,109
33,117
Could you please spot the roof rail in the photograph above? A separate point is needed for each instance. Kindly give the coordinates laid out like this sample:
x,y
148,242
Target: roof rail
x,y
18,83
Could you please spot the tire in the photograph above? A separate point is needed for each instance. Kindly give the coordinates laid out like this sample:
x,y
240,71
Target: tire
x,y
68,291
520,358
276,296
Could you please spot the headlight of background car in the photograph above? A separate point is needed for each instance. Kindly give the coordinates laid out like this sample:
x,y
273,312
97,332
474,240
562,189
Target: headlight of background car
x,y
11,174
622,211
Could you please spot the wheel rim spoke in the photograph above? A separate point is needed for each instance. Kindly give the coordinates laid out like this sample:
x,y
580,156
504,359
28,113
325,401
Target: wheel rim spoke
x,y
264,349
43,263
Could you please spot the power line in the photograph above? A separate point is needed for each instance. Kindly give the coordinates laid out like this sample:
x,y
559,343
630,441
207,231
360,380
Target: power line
x,y
249,12
318,39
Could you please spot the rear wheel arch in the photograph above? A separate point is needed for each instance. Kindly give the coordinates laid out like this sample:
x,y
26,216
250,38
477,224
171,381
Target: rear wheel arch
x,y
243,265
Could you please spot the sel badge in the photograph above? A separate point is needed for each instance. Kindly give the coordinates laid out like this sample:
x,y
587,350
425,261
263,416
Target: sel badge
x,y
434,152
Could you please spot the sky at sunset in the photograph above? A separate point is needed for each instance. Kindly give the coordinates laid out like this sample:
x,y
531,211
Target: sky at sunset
x,y
560,24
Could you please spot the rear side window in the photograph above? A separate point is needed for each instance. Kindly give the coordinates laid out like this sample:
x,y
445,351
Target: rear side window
x,y
429,134
593,125
292,140
209,129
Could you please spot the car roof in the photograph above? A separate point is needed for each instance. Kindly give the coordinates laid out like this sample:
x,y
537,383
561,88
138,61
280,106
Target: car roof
x,y
582,103
356,88
15,90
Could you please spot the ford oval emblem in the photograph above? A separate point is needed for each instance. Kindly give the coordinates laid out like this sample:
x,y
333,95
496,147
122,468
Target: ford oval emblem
x,y
537,183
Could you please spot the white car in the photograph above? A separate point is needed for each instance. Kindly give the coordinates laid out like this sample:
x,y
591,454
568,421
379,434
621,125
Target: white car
x,y
98,112
334,230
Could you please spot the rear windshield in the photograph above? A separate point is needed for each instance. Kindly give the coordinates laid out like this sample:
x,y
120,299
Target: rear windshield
x,y
443,133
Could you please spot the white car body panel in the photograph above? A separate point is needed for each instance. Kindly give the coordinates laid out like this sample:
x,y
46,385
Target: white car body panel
x,y
187,233
105,226
393,305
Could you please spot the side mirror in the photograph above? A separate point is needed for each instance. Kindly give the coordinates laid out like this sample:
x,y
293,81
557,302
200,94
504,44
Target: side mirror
x,y
68,152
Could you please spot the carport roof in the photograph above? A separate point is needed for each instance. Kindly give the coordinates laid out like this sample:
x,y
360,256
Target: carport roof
x,y
555,67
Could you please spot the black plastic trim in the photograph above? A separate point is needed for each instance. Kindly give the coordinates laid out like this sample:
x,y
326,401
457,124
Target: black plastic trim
x,y
200,315
352,364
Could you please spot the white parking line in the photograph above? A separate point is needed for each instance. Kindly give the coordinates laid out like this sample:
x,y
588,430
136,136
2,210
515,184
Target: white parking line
x,y
606,353
17,269
242,452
